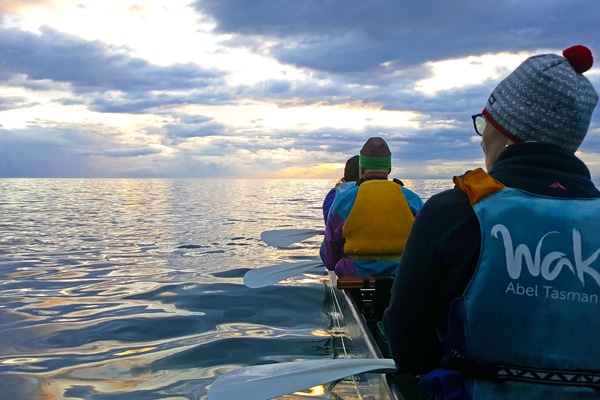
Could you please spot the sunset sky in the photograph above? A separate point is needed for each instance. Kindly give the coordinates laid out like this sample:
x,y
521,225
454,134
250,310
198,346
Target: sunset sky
x,y
264,88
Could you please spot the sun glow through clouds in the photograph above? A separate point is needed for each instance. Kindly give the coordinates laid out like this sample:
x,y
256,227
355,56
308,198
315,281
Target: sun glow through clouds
x,y
456,73
185,82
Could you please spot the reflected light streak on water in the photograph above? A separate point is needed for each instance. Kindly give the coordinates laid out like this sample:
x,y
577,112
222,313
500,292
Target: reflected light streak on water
x,y
132,288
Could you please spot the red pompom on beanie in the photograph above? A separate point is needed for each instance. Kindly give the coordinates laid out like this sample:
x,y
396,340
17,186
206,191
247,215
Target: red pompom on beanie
x,y
580,58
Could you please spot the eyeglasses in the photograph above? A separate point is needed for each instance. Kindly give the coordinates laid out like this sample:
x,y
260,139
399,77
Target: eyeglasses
x,y
479,123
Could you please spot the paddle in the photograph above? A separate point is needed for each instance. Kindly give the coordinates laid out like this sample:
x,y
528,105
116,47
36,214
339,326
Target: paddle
x,y
285,237
261,382
266,276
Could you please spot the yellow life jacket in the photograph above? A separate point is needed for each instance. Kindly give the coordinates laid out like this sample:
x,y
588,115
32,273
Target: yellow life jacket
x,y
379,222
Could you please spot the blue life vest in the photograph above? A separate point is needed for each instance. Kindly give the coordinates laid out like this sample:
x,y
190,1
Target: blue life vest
x,y
378,215
528,324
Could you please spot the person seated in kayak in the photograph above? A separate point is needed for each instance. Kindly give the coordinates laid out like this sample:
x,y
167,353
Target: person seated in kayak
x,y
368,224
498,293
347,181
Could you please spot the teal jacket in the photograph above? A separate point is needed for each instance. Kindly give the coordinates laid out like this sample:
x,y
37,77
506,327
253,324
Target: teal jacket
x,y
366,237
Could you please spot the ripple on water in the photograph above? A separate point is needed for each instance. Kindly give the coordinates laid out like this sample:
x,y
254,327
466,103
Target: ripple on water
x,y
132,288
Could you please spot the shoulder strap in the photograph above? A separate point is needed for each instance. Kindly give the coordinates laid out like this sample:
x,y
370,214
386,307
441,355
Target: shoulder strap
x,y
477,184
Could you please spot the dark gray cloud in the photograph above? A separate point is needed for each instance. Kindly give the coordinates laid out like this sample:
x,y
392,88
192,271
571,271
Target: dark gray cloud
x,y
357,36
134,102
91,66
200,128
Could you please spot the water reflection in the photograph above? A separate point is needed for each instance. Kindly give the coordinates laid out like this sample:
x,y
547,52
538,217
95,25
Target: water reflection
x,y
132,288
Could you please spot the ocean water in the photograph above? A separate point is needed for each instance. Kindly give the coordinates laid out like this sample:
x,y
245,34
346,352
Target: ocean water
x,y
132,288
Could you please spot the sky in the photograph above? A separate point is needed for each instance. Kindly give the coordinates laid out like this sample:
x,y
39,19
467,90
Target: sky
x,y
265,88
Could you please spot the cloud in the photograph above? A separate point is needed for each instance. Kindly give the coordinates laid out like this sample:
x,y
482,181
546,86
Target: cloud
x,y
197,127
288,88
91,66
357,36
13,102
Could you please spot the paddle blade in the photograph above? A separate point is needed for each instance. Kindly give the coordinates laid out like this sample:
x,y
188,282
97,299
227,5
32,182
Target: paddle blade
x,y
261,382
266,276
286,237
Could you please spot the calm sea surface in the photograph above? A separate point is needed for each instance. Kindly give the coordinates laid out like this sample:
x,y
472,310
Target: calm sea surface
x,y
132,288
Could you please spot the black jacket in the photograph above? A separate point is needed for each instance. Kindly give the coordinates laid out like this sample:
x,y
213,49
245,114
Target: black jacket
x,y
442,251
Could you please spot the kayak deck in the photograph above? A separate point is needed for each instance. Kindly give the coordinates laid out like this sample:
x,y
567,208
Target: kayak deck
x,y
359,311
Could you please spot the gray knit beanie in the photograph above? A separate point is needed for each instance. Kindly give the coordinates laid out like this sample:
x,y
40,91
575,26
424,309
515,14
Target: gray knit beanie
x,y
546,99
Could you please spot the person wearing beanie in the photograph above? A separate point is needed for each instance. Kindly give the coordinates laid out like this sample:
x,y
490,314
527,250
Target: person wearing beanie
x,y
498,293
368,223
347,181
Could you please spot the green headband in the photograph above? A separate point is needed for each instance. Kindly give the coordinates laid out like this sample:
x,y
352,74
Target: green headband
x,y
372,162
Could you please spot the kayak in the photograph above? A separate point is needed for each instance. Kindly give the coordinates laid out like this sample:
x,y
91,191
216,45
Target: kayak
x,y
360,366
357,368
358,303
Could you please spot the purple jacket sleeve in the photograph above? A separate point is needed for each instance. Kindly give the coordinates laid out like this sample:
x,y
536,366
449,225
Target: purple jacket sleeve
x,y
327,202
332,249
